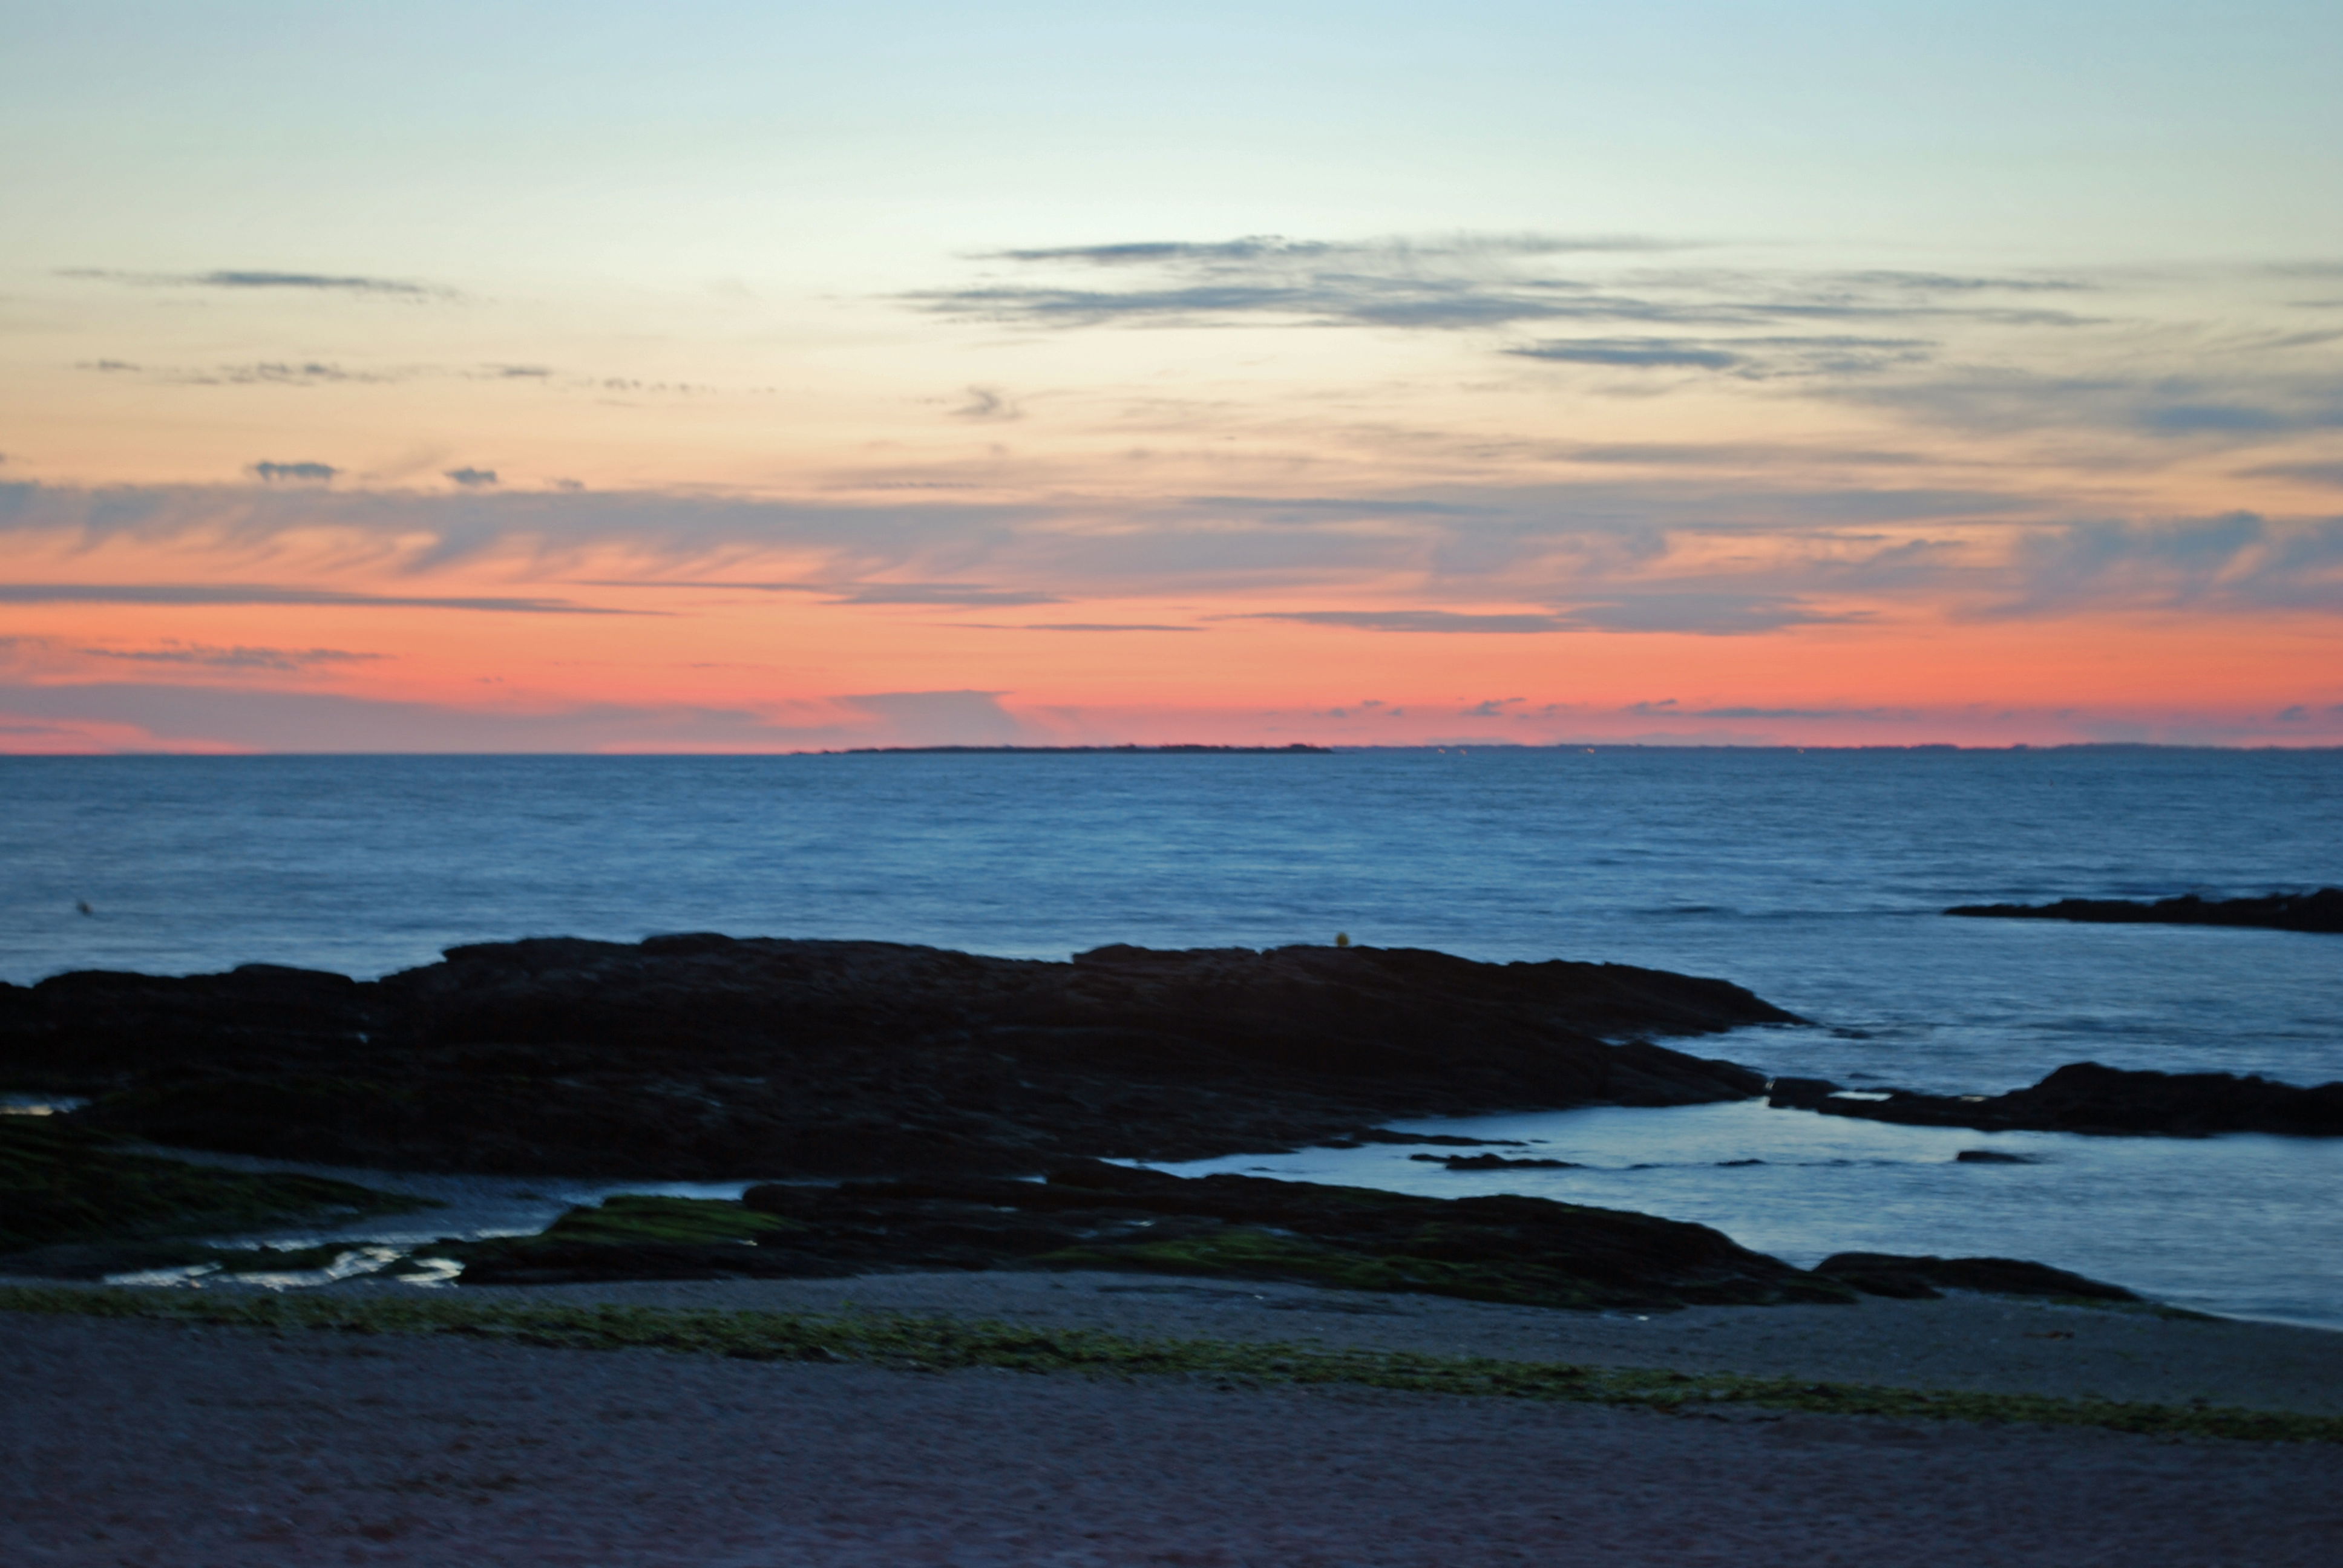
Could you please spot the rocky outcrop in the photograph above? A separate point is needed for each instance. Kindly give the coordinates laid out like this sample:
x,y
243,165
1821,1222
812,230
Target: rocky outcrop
x,y
2319,911
1925,1279
1495,1162
1097,1216
2084,1097
703,1056
62,1184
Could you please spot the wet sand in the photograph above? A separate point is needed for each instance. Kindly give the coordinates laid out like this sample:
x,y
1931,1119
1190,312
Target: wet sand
x,y
153,1443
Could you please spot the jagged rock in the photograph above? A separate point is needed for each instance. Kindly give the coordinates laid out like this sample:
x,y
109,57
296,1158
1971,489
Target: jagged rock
x,y
1923,1278
2319,911
637,1237
1495,1162
63,1183
1798,1093
1094,1215
703,1056
2085,1097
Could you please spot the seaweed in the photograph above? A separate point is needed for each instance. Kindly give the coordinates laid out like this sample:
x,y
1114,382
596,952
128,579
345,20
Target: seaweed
x,y
931,1345
65,1184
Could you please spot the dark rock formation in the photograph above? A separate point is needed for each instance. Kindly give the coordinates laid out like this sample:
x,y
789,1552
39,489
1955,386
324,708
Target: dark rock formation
x,y
2084,1097
2319,911
61,1183
1495,1162
1798,1093
1924,1278
1991,1157
1185,748
702,1056
1099,1216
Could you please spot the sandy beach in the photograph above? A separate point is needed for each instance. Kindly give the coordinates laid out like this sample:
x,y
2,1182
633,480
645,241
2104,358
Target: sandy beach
x,y
154,1443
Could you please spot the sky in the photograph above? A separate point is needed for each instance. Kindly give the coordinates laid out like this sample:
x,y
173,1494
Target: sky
x,y
763,376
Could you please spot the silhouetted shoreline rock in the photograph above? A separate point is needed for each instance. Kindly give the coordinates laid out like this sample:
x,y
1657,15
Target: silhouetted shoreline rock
x,y
1090,1215
1494,1162
64,1185
2085,1097
2319,911
702,1056
1924,1278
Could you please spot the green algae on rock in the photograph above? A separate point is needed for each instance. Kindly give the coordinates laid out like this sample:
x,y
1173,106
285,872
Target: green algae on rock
x,y
1530,1251
909,1342
628,1236
64,1184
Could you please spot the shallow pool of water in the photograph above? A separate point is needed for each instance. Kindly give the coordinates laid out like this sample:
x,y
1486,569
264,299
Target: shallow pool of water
x,y
382,1246
2246,1225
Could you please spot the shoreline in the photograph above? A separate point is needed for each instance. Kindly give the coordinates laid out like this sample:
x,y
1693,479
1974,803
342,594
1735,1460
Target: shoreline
x,y
1961,1342
151,1443
481,1205
479,1439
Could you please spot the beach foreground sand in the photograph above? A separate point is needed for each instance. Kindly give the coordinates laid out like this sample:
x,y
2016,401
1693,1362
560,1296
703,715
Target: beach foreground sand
x,y
1996,1344
134,1443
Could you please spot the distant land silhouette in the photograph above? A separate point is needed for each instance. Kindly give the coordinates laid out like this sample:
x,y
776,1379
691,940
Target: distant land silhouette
x,y
2319,911
1216,750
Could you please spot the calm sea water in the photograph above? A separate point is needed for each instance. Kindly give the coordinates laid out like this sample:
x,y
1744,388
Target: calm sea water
x,y
1814,877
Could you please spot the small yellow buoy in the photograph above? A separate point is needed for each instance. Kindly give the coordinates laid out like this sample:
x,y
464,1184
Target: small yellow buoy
x,y
1342,938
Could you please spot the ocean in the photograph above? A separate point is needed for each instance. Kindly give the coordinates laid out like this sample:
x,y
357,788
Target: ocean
x,y
1816,878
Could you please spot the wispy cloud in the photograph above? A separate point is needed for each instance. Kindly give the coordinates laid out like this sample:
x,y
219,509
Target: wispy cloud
x,y
2229,409
1072,625
1254,250
269,473
1469,282
1420,620
1666,553
280,373
209,657
267,594
1714,613
1854,713
988,405
1751,358
472,478
1322,506
974,594
1736,454
255,279
2328,474
2236,561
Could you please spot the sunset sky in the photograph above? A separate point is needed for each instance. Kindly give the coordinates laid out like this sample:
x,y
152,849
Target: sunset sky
x,y
769,376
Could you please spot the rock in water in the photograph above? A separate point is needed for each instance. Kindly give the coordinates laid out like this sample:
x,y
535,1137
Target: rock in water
x,y
1798,1093
1495,1162
2319,911
2084,1097
1923,1278
703,1056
